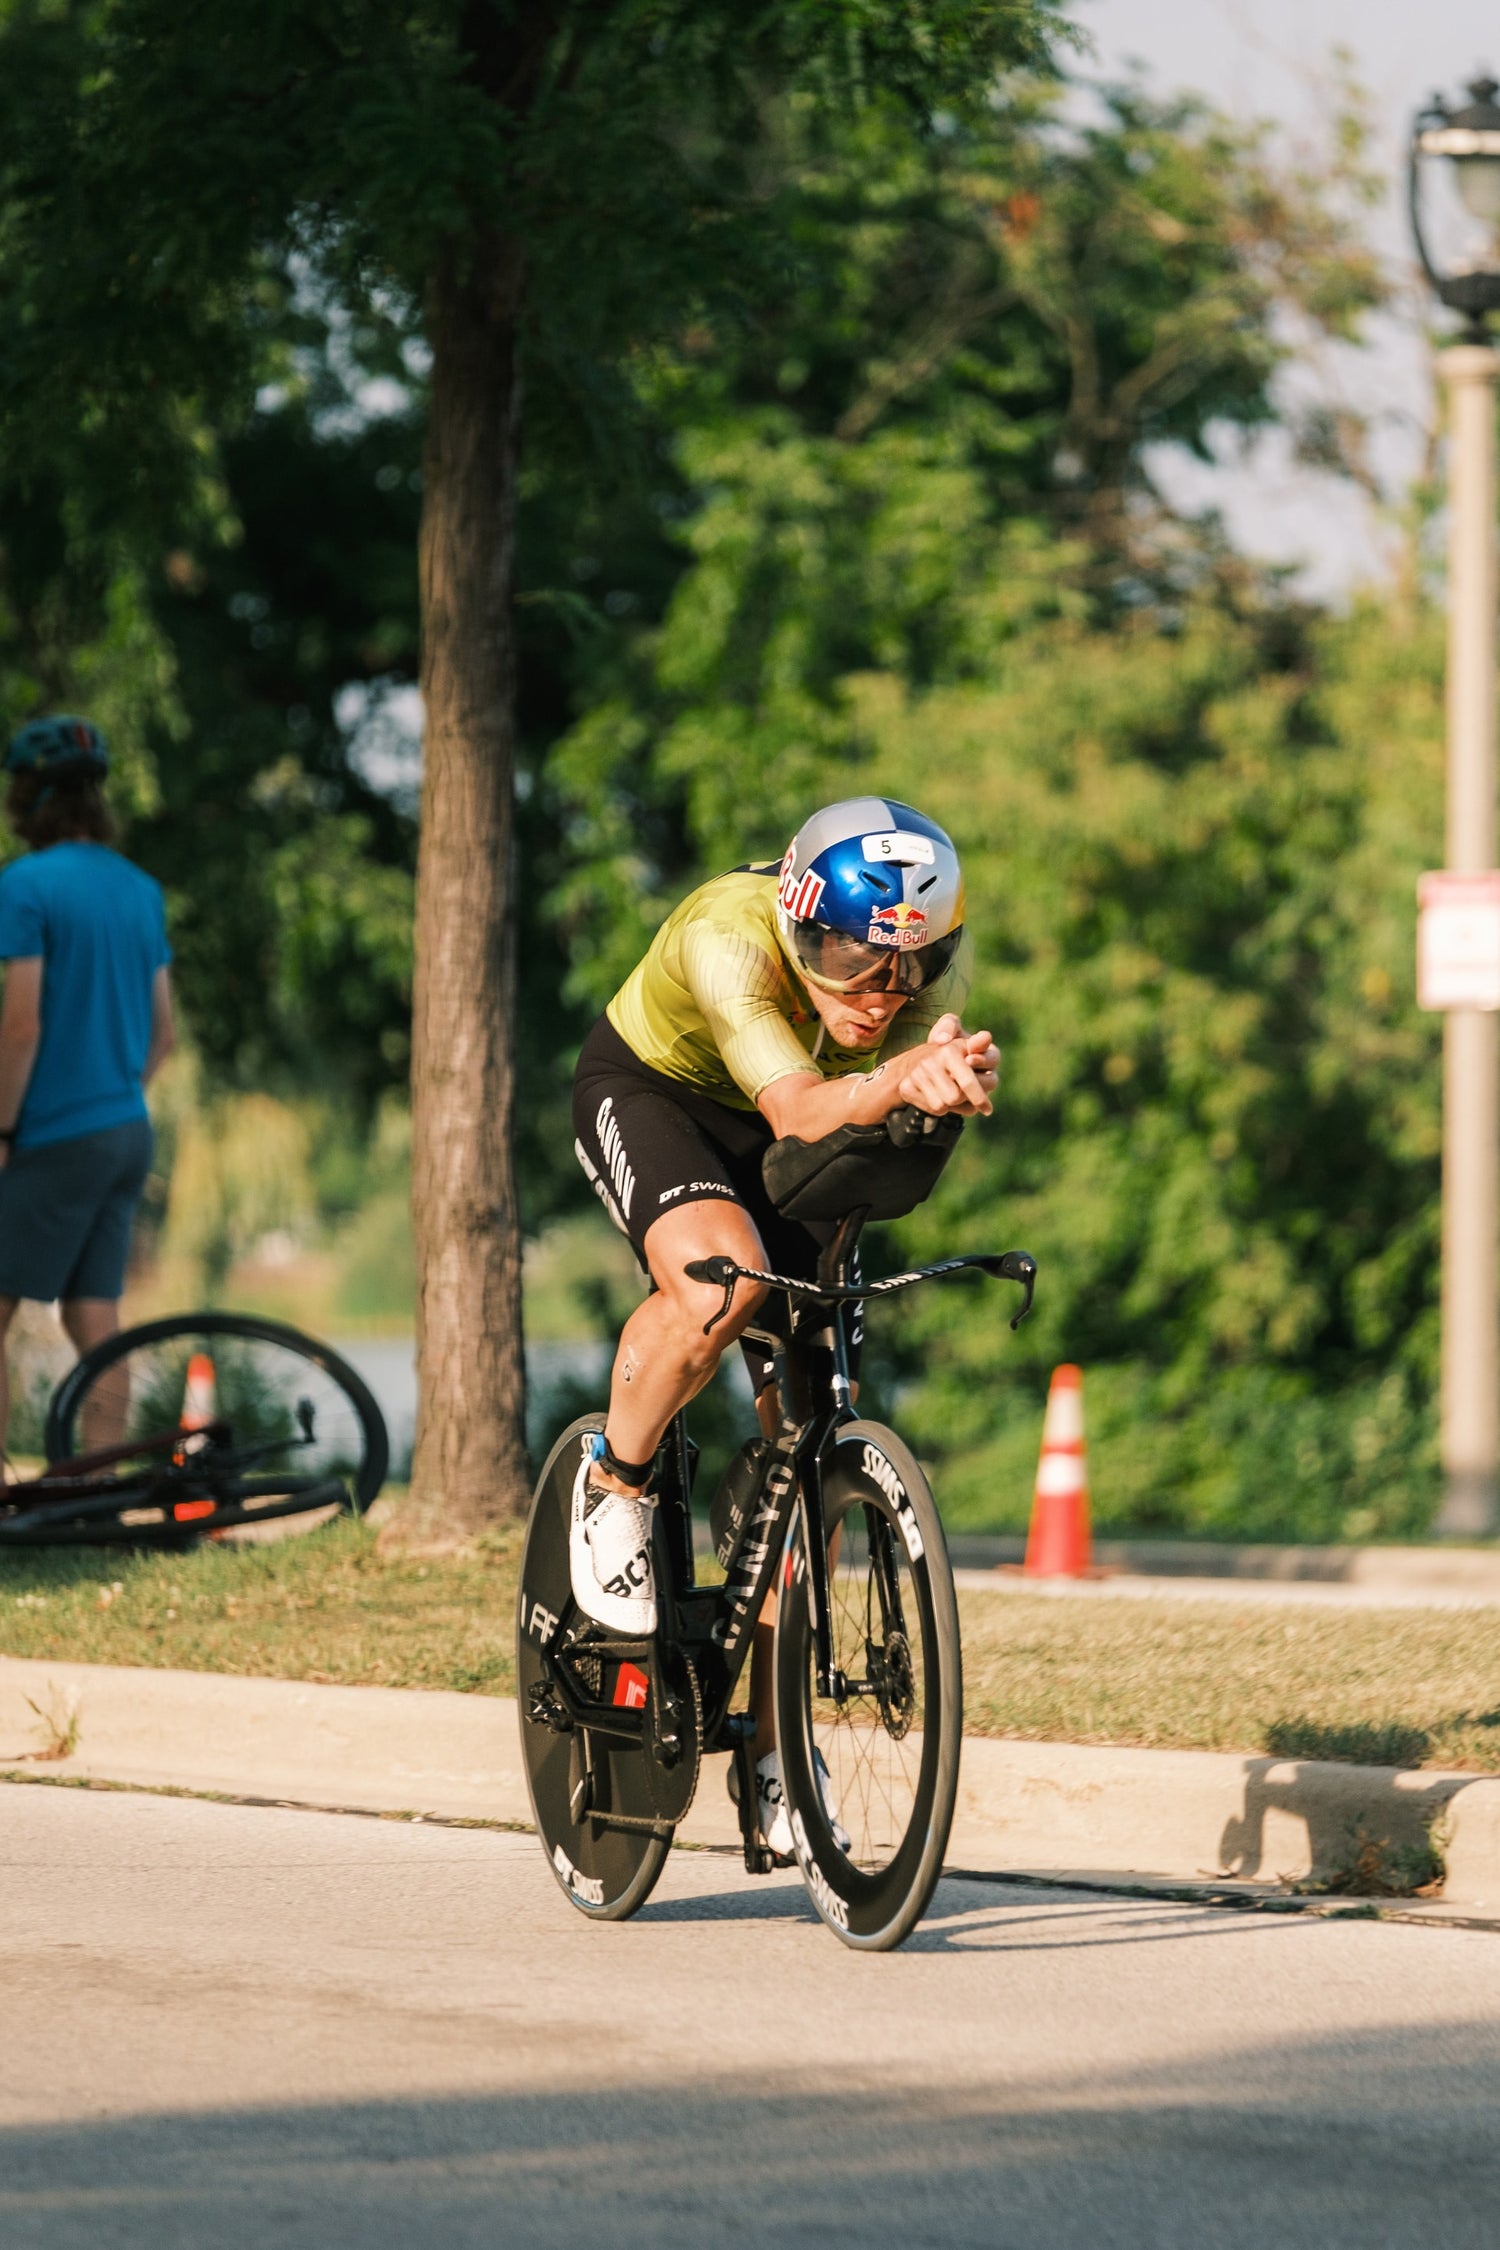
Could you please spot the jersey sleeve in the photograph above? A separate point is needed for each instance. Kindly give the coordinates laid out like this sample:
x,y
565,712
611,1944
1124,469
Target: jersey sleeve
x,y
741,991
23,921
944,998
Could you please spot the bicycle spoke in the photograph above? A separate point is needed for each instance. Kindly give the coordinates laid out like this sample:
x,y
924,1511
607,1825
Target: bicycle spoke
x,y
874,1772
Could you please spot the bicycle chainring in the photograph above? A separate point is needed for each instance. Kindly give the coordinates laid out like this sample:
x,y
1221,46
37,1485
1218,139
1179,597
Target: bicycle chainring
x,y
672,1735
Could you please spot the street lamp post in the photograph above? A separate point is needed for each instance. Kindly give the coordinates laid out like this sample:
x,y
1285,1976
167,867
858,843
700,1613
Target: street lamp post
x,y
1469,139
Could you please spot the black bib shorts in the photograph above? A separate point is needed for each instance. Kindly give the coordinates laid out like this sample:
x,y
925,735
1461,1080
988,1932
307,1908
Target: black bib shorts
x,y
649,1143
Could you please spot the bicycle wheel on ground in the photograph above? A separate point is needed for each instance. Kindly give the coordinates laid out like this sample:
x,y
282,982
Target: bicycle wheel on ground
x,y
891,1734
582,1785
299,1426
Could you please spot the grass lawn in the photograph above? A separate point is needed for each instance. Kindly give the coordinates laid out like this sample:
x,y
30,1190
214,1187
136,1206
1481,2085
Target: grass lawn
x,y
1398,1687
1385,1687
323,1607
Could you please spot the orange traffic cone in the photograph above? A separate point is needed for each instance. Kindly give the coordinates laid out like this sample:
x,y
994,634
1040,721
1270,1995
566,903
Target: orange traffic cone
x,y
198,1394
197,1413
1058,1545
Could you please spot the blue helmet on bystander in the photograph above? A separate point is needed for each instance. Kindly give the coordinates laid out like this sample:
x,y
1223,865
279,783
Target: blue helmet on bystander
x,y
59,748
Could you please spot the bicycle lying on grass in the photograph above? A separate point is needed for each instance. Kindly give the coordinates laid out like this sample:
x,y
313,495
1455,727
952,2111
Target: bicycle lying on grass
x,y
867,1662
214,1422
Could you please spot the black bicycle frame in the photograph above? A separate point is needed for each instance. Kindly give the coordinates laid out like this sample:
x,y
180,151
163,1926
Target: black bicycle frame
x,y
713,1626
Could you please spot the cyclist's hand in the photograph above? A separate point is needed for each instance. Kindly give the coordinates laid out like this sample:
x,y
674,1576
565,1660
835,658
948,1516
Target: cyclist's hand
x,y
955,1075
982,1052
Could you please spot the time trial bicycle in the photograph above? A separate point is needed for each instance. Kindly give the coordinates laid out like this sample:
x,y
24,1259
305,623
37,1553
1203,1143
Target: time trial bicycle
x,y
835,1514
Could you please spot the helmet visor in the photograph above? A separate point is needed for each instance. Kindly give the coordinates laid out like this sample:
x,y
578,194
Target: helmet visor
x,y
840,963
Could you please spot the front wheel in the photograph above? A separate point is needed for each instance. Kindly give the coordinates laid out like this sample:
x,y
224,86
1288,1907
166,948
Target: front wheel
x,y
891,1733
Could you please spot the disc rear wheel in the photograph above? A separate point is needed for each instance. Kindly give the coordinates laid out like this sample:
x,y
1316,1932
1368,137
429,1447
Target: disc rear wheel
x,y
604,1815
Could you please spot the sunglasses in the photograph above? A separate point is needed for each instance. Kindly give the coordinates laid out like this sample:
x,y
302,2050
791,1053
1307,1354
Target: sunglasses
x,y
850,965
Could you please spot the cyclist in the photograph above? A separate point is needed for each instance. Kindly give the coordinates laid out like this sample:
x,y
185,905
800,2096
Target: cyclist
x,y
776,1000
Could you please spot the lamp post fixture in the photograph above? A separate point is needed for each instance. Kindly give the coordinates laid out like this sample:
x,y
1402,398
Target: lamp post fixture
x,y
1468,139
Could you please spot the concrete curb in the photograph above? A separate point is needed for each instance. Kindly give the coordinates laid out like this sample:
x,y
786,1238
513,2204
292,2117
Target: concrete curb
x,y
1410,1570
1033,1807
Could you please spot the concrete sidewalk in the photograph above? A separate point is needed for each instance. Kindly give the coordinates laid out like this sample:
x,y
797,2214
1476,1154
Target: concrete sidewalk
x,y
1039,1808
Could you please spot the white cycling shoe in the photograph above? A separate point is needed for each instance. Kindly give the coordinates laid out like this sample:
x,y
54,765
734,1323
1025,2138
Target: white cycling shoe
x,y
776,1821
609,1555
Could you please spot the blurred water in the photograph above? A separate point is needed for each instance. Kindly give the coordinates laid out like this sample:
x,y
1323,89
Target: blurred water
x,y
388,1364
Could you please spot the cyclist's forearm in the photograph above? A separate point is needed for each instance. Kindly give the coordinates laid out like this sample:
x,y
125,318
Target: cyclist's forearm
x,y
808,1107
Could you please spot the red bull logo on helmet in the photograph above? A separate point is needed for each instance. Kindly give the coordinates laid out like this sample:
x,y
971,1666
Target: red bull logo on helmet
x,y
898,925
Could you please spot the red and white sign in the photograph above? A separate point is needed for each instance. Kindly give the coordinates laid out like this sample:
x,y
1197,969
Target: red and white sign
x,y
1458,941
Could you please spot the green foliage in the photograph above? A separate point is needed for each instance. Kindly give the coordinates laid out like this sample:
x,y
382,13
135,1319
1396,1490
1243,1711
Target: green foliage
x,y
216,228
843,379
927,558
1195,860
937,439
239,1169
159,171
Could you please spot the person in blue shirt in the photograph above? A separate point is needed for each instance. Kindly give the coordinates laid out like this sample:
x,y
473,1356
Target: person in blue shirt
x,y
85,1019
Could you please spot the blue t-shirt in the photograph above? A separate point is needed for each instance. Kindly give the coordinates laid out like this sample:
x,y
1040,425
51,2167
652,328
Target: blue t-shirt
x,y
100,927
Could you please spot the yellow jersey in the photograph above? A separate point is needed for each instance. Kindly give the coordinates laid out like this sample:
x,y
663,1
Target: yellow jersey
x,y
717,1004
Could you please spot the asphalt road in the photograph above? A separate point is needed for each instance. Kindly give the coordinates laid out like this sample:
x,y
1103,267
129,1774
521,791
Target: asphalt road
x,y
222,2027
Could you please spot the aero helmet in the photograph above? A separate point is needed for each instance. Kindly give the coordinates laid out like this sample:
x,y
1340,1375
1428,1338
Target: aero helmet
x,y
870,897
59,749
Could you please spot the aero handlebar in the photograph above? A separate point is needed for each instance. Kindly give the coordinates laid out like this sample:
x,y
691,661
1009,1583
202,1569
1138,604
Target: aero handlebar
x,y
1005,1265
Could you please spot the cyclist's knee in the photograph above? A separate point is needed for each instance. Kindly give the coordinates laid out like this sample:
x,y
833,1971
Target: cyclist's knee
x,y
687,1236
703,1351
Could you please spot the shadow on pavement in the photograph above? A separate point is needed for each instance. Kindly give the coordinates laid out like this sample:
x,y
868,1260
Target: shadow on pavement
x,y
964,1902
1384,2139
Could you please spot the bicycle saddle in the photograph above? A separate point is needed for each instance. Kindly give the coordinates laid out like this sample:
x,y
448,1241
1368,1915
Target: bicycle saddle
x,y
883,1170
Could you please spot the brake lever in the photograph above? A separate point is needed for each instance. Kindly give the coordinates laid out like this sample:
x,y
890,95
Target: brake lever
x,y
718,1273
1019,1265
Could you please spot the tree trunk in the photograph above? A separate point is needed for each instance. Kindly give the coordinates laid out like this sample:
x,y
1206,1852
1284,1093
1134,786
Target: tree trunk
x,y
469,1470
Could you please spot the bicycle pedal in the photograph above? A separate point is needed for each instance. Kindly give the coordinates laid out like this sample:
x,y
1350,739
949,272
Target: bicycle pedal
x,y
545,1708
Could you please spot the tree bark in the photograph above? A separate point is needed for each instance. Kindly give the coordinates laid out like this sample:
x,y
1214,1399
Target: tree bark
x,y
469,1469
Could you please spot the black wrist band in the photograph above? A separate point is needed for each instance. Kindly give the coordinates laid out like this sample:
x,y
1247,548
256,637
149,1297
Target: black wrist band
x,y
7,1132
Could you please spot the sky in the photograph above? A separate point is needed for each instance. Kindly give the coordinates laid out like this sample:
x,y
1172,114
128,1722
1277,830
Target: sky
x,y
1270,59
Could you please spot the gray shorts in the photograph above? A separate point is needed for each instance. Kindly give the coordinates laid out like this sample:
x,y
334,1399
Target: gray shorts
x,y
66,1210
